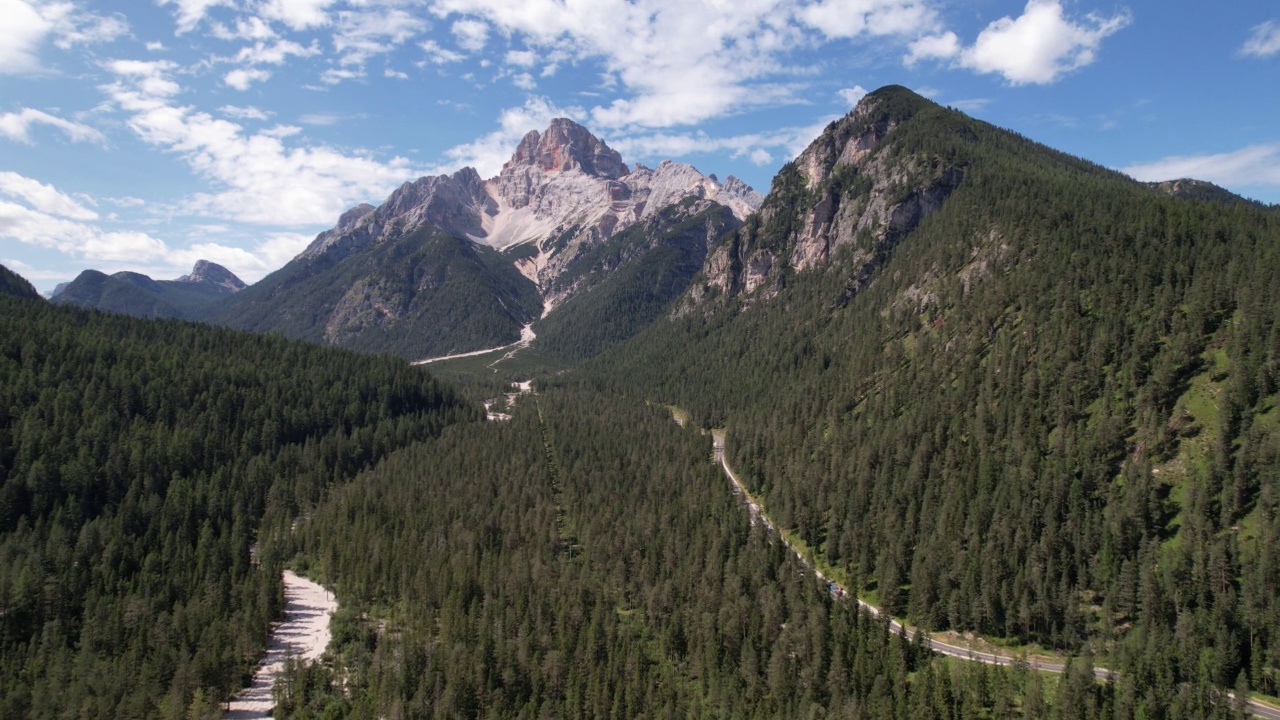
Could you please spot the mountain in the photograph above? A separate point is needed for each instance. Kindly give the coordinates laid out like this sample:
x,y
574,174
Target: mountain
x,y
11,283
454,263
150,471
1000,390
130,293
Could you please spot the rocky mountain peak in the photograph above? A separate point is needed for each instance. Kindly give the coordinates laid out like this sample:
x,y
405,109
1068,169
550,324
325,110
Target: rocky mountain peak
x,y
209,273
566,145
353,216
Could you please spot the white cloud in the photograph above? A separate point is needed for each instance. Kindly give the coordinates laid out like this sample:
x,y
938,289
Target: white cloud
x,y
155,46
28,24
680,62
943,46
17,126
524,81
333,76
851,18
755,147
298,14
43,229
471,34
1039,46
521,58
852,95
191,12
1264,41
21,35
242,78
275,53
43,198
363,34
244,113
326,118
439,55
126,201
250,28
1252,165
258,178
395,74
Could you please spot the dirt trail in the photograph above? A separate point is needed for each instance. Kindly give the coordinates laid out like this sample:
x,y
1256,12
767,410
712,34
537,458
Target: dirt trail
x,y
304,633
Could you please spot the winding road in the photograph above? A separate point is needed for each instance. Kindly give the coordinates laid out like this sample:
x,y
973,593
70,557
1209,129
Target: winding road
x,y
1255,707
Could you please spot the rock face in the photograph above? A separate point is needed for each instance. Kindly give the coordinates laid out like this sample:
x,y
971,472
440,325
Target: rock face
x,y
214,275
1191,189
848,188
563,191
454,263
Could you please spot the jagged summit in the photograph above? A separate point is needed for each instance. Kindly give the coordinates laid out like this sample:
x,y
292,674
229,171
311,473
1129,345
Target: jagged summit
x,y
566,145
561,188
211,273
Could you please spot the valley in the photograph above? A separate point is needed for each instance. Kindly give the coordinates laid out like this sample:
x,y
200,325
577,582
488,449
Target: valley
x,y
999,427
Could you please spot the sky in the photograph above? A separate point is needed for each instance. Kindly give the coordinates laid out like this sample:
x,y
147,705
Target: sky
x,y
148,134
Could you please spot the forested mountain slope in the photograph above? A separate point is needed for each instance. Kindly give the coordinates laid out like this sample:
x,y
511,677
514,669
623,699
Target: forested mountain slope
x,y
1003,389
140,463
600,567
425,293
14,284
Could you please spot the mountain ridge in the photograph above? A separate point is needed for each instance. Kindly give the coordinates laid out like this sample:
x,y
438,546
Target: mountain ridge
x,y
562,193
131,293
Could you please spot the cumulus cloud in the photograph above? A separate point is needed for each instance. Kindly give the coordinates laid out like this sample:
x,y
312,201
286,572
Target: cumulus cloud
x,y
683,62
43,198
1037,47
259,178
943,46
1264,41
1251,165
17,126
852,95
471,34
47,217
27,25
298,14
242,78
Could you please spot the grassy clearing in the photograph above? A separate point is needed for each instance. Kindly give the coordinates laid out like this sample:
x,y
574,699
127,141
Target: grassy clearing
x,y
1197,410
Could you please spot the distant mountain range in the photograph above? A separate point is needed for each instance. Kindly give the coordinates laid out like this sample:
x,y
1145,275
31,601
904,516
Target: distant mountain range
x,y
130,293
569,236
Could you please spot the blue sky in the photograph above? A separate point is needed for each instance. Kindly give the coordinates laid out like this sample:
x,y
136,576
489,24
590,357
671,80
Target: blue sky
x,y
146,135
